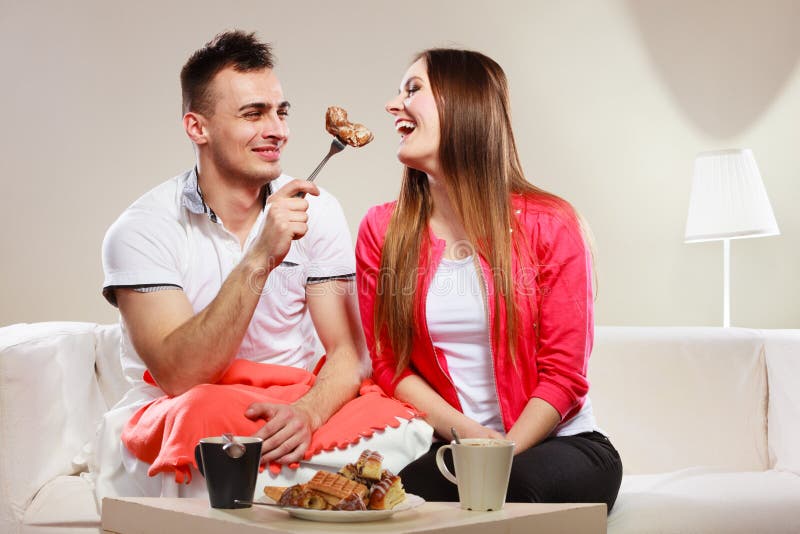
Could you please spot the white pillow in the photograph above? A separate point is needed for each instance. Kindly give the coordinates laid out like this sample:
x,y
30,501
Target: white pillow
x,y
677,397
51,404
112,382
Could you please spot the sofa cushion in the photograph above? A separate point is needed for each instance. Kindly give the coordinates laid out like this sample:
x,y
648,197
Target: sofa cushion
x,y
108,367
783,370
64,501
50,407
707,500
672,398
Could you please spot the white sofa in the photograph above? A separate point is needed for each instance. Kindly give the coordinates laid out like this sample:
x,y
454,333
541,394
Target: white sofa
x,y
707,421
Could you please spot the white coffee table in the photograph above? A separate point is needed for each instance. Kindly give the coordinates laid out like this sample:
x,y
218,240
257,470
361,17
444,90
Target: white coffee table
x,y
176,516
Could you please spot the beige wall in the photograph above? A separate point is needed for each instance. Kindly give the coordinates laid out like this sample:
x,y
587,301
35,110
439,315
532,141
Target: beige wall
x,y
611,100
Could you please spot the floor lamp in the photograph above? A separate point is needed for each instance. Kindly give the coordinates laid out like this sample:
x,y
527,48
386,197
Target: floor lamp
x,y
728,201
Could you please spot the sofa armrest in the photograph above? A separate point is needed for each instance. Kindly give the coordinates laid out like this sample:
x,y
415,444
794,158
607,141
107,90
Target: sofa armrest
x,y
783,370
51,403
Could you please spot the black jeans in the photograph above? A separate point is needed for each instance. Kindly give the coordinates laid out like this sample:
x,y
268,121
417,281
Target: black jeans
x,y
581,468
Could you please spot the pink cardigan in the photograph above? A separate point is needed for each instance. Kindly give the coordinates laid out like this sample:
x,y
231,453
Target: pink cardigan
x,y
561,283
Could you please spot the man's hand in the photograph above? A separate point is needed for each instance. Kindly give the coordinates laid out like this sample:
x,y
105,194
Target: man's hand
x,y
286,221
287,433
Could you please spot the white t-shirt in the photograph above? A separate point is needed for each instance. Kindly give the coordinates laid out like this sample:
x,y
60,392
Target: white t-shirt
x,y
457,322
459,328
171,237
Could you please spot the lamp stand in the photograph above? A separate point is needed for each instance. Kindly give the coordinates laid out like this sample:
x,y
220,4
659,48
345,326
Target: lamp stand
x,y
726,283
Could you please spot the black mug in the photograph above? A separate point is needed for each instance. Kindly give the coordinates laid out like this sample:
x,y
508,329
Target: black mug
x,y
229,479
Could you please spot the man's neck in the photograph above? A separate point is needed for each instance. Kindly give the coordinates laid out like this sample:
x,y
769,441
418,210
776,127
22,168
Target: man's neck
x,y
237,203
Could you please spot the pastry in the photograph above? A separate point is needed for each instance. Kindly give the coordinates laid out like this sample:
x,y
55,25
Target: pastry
x,y
387,493
363,485
337,124
351,471
334,118
274,492
351,503
301,496
369,465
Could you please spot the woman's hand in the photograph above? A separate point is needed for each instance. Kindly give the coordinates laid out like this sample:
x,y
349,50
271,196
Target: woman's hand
x,y
438,413
468,428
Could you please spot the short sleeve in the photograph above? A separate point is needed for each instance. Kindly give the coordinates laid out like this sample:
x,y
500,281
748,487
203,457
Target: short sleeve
x,y
142,248
328,242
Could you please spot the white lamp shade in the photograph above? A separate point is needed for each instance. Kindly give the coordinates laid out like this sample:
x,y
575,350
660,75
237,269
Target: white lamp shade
x,y
728,199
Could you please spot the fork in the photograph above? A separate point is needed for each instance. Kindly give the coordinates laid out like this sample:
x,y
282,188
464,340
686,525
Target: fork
x,y
260,503
336,147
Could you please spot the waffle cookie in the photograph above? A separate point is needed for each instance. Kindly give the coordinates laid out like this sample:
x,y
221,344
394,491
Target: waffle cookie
x,y
335,484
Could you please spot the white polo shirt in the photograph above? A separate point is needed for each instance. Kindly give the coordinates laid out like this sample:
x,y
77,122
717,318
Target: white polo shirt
x,y
170,237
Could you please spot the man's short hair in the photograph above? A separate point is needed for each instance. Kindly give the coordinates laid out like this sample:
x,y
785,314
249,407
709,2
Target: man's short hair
x,y
236,49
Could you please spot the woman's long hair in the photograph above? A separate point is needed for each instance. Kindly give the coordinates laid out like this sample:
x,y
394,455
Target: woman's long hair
x,y
481,169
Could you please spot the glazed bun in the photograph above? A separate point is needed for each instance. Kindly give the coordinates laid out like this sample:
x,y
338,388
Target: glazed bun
x,y
337,124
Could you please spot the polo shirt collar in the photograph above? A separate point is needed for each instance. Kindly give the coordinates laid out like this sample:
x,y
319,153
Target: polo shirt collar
x,y
192,197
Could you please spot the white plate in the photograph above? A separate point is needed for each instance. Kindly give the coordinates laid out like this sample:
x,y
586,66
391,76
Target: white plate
x,y
343,516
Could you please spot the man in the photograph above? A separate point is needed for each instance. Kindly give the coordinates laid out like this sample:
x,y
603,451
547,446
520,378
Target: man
x,y
231,260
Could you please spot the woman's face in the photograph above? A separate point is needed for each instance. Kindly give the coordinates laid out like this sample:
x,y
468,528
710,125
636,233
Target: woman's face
x,y
416,120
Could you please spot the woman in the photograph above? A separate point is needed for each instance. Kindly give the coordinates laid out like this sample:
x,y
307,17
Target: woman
x,y
476,291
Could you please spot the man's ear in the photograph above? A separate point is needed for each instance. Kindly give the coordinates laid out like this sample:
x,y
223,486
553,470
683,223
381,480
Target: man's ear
x,y
194,125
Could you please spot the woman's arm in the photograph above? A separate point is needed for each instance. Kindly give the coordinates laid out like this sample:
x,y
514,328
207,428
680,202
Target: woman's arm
x,y
565,317
535,423
438,412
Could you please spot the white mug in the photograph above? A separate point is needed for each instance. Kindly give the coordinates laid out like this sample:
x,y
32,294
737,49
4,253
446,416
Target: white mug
x,y
483,466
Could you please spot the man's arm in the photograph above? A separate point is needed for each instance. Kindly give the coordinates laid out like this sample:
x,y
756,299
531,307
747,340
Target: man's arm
x,y
182,349
179,348
334,310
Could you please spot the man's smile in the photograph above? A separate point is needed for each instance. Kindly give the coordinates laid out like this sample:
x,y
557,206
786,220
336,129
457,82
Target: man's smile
x,y
268,152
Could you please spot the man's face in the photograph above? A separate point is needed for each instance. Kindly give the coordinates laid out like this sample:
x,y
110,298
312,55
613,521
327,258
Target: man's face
x,y
247,129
